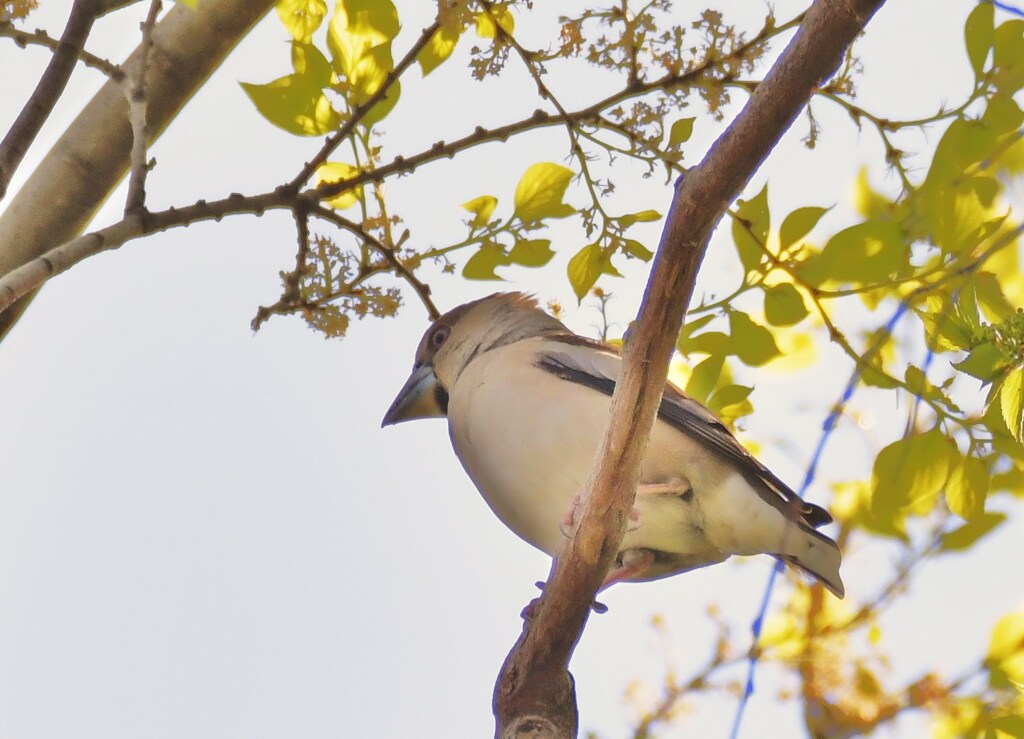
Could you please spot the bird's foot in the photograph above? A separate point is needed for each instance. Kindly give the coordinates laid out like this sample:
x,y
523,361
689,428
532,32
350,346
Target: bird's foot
x,y
530,610
630,564
679,486
568,523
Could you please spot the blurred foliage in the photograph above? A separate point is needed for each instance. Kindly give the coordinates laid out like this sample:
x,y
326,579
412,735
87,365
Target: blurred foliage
x,y
940,256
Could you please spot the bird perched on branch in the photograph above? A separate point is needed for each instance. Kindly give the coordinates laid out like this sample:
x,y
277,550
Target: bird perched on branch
x,y
527,404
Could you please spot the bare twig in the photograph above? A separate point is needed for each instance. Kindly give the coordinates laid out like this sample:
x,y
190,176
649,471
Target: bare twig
x,y
48,90
137,106
535,685
40,37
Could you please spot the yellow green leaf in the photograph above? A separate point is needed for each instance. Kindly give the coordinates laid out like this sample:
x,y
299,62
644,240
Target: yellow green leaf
x,y
301,18
540,191
965,536
531,252
588,264
1011,402
728,395
359,37
783,305
751,342
865,253
1005,658
297,102
967,487
911,470
985,362
798,224
481,265
483,208
337,172
634,248
438,49
978,36
750,229
643,216
1008,56
485,21
680,132
704,377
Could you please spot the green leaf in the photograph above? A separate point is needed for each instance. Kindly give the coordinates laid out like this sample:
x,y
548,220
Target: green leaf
x,y
911,470
978,36
866,253
540,191
689,329
704,377
336,172
531,253
438,49
985,362
643,216
798,224
967,488
965,536
297,102
751,342
784,305
187,3
586,267
750,229
1011,402
301,18
680,132
481,265
483,208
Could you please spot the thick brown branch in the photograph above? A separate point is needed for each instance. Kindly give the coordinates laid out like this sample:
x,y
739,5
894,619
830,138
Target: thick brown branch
x,y
534,681
48,90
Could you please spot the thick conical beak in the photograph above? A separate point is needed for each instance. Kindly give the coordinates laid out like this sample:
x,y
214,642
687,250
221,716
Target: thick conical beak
x,y
421,397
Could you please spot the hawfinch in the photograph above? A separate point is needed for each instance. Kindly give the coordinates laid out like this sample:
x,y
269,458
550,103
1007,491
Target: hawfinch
x,y
527,404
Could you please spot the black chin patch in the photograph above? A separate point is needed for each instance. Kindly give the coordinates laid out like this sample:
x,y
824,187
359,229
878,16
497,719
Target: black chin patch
x,y
441,396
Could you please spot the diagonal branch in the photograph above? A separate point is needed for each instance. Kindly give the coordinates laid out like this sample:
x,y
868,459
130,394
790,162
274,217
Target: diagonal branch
x,y
48,91
535,688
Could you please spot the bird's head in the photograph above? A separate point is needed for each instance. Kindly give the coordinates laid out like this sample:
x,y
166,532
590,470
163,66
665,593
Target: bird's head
x,y
458,337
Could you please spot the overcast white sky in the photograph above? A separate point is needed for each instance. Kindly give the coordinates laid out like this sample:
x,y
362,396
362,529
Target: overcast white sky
x,y
204,533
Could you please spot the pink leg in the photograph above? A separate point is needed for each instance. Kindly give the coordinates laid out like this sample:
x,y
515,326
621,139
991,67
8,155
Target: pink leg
x,y
633,563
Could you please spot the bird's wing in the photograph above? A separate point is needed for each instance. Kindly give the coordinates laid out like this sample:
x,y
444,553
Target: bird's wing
x,y
596,365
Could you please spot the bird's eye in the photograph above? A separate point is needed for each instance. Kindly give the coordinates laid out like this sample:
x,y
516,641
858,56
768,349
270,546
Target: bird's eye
x,y
439,336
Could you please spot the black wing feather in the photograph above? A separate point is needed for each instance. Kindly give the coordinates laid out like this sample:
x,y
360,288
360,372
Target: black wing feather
x,y
691,418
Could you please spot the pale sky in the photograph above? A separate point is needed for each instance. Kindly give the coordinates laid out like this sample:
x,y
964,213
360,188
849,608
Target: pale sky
x,y
205,533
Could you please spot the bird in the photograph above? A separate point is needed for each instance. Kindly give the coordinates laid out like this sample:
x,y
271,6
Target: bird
x,y
527,401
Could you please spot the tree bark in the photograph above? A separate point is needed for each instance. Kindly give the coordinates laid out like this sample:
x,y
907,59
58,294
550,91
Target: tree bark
x,y
534,695
93,155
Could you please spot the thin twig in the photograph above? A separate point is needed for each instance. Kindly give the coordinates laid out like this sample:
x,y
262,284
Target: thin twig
x,y
137,116
40,37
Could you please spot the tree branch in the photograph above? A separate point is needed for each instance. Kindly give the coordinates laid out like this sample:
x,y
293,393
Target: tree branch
x,y
137,96
48,91
534,686
188,44
39,37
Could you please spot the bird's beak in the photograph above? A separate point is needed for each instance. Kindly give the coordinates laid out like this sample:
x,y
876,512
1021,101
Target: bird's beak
x,y
422,396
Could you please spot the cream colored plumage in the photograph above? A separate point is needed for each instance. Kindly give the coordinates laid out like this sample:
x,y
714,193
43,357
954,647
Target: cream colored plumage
x,y
527,402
